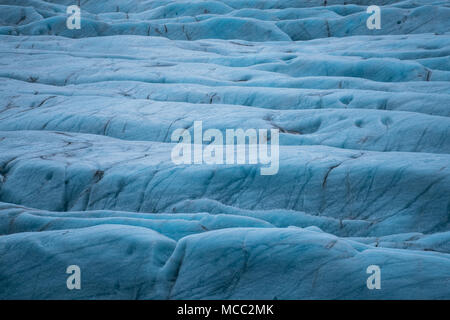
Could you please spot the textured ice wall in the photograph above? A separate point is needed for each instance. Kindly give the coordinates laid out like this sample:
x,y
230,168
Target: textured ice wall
x,y
255,20
86,176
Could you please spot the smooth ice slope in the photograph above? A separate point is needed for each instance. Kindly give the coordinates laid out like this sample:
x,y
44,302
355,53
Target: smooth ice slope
x,y
86,177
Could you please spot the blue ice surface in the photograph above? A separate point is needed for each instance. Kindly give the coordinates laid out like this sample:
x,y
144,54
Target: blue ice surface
x,y
86,176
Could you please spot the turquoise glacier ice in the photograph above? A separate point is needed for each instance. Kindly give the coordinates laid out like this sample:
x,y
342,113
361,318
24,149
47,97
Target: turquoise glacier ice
x,y
87,118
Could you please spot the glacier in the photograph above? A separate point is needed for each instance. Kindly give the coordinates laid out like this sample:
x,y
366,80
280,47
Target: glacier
x,y
87,179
